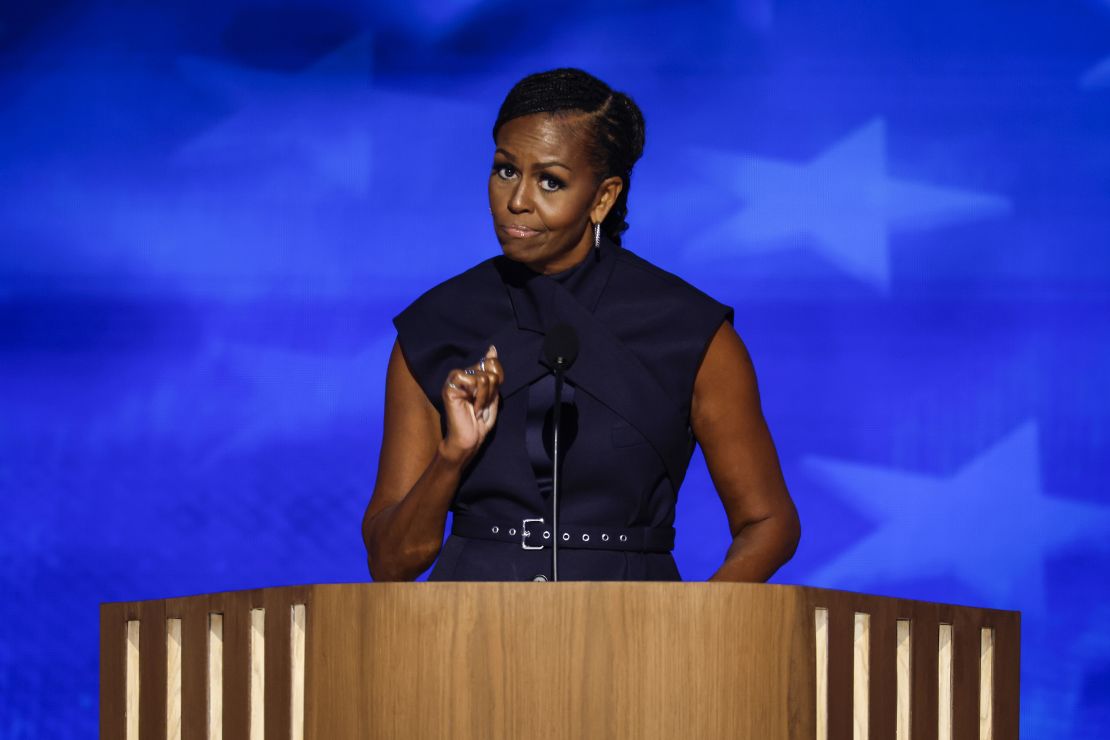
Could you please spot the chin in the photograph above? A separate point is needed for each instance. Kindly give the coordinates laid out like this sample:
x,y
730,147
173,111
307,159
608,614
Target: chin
x,y
520,250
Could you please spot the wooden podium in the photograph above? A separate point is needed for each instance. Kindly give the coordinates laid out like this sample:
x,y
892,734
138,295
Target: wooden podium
x,y
527,661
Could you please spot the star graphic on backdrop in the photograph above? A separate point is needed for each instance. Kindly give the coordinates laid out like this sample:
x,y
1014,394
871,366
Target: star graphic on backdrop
x,y
307,127
1097,76
234,397
431,19
757,14
290,394
990,525
843,205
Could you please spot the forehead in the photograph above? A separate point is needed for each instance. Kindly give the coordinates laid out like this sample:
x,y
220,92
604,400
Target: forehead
x,y
542,136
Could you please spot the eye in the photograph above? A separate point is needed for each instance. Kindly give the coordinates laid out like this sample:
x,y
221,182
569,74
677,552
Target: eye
x,y
550,184
504,171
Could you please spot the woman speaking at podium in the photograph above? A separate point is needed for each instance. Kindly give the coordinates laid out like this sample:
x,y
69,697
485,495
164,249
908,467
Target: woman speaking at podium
x,y
645,366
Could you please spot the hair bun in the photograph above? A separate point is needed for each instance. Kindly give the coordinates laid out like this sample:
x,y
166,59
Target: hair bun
x,y
634,121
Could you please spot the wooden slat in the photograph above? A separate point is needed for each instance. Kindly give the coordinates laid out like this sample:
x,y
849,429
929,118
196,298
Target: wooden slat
x,y
112,661
923,713
1007,672
173,678
214,684
194,665
986,684
883,665
314,640
903,714
152,715
965,674
257,693
237,665
821,670
945,645
133,685
277,664
841,626
861,676
297,634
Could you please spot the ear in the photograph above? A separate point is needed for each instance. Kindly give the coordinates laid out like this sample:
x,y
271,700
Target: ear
x,y
608,190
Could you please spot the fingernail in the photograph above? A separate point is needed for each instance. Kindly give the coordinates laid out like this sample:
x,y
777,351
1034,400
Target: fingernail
x,y
492,350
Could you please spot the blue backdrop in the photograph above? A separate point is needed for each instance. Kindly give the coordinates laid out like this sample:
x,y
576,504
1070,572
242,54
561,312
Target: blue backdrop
x,y
209,211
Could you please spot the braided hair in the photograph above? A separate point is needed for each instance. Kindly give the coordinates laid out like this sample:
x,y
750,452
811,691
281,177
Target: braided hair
x,y
614,125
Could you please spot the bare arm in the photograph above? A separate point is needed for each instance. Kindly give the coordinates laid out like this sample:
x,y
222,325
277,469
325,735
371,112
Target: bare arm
x,y
419,469
728,423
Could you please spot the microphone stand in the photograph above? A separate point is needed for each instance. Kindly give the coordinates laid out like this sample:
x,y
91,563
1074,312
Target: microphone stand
x,y
555,460
560,349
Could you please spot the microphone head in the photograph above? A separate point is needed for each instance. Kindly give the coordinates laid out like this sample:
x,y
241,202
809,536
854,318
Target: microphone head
x,y
560,346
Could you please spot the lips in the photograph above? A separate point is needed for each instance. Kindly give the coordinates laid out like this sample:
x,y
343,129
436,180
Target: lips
x,y
519,231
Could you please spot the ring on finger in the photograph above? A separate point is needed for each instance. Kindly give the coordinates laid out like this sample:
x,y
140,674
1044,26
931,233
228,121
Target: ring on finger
x,y
452,385
470,371
482,364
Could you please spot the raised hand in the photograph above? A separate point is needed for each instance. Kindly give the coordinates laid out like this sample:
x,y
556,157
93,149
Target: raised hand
x,y
471,402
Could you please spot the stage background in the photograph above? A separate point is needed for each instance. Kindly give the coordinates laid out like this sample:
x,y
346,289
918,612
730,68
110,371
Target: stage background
x,y
209,212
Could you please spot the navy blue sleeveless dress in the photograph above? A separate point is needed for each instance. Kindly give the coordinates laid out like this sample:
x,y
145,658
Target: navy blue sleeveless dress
x,y
624,433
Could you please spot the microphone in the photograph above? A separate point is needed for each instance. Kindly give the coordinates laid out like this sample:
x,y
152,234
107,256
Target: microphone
x,y
560,349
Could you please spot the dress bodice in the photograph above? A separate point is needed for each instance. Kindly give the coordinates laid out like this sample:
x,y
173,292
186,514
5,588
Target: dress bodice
x,y
625,434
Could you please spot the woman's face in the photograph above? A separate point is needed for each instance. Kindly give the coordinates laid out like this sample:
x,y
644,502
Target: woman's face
x,y
544,194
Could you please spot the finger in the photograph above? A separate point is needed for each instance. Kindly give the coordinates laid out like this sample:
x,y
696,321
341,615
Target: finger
x,y
481,394
494,367
492,361
460,385
492,410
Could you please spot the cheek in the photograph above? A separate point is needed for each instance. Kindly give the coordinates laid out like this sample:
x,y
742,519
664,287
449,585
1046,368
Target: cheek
x,y
561,211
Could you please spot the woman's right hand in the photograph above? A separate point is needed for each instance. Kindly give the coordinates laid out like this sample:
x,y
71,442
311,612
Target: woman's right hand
x,y
471,401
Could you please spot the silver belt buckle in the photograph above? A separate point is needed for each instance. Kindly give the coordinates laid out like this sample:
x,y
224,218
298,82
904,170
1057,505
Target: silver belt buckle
x,y
525,533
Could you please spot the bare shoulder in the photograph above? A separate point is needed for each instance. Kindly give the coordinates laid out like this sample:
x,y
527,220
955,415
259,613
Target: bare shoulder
x,y
725,384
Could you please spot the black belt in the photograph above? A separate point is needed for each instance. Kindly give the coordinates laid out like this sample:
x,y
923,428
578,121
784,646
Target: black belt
x,y
532,534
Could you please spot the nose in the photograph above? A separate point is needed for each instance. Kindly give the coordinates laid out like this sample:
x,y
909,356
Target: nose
x,y
520,201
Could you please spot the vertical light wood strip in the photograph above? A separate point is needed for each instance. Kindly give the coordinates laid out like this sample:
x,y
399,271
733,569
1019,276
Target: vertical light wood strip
x,y
258,675
297,667
902,681
986,684
173,679
861,677
215,676
944,682
821,632
131,681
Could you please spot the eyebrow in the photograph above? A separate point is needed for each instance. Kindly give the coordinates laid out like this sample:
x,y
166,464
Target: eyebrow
x,y
549,163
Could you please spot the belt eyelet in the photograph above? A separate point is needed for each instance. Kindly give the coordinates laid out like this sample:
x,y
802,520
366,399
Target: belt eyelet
x,y
525,533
